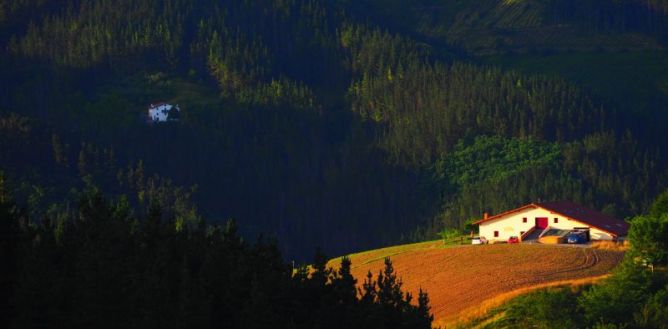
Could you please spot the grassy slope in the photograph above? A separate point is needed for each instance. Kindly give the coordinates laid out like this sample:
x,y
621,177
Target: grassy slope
x,y
461,279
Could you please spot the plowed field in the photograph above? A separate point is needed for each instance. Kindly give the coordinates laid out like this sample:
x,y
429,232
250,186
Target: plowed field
x,y
462,277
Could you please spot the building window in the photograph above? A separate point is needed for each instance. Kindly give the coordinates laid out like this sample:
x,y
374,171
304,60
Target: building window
x,y
524,220
496,234
556,220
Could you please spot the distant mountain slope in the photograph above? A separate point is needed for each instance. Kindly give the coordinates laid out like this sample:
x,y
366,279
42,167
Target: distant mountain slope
x,y
599,44
636,81
519,26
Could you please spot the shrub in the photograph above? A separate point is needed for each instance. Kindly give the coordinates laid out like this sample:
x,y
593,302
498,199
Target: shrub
x,y
552,308
615,300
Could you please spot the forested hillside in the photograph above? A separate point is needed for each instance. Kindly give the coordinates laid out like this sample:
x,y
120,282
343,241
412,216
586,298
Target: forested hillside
x,y
341,124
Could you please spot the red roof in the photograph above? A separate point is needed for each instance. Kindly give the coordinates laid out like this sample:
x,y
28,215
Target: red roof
x,y
158,104
577,212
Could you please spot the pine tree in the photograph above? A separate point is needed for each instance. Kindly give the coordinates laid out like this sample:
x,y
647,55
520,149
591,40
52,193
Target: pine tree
x,y
389,286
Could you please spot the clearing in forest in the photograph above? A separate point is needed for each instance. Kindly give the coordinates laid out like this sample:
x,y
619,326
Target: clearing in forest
x,y
460,279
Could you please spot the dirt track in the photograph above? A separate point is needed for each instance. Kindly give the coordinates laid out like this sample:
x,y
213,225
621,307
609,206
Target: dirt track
x,y
457,278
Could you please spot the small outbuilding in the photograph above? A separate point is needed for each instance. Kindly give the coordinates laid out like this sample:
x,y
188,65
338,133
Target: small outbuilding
x,y
532,220
163,112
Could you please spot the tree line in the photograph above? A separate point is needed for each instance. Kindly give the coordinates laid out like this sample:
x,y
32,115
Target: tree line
x,y
104,265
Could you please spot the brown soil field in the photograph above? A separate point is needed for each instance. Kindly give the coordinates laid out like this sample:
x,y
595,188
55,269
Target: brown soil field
x,y
461,278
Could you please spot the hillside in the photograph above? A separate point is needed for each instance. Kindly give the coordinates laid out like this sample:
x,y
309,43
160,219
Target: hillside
x,y
317,122
599,44
458,279
498,26
323,127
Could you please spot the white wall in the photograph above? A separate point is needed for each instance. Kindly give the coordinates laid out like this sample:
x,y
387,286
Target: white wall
x,y
512,224
160,113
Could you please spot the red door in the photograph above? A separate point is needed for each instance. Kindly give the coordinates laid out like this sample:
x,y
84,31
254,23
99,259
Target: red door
x,y
541,222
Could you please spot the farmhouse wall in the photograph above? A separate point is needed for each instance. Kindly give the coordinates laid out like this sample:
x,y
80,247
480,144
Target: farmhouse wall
x,y
512,225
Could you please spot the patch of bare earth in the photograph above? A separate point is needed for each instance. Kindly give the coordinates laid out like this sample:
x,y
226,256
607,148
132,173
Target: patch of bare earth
x,y
461,278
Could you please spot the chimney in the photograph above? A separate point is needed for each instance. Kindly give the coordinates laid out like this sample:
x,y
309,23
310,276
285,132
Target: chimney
x,y
485,215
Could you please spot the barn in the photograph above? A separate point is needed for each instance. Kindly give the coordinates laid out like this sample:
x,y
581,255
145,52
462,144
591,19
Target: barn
x,y
536,219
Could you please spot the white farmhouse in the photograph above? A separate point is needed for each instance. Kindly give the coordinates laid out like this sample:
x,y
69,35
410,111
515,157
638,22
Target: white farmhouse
x,y
163,112
534,218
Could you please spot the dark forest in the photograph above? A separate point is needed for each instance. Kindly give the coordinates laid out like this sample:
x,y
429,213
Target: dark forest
x,y
340,124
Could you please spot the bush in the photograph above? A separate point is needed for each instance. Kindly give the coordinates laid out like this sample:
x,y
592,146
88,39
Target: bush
x,y
450,234
553,308
654,314
649,240
660,205
615,300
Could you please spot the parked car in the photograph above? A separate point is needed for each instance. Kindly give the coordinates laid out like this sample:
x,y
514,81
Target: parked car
x,y
576,238
479,240
513,239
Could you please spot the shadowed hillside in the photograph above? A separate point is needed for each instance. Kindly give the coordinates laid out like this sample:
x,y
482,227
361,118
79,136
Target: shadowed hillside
x,y
344,124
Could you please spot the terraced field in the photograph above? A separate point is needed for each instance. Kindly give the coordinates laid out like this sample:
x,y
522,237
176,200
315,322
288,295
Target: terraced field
x,y
461,278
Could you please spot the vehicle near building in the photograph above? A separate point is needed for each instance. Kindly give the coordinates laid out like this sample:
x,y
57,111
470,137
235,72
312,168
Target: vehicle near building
x,y
479,240
576,238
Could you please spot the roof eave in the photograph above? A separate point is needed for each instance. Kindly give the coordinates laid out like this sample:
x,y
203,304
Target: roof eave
x,y
531,205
